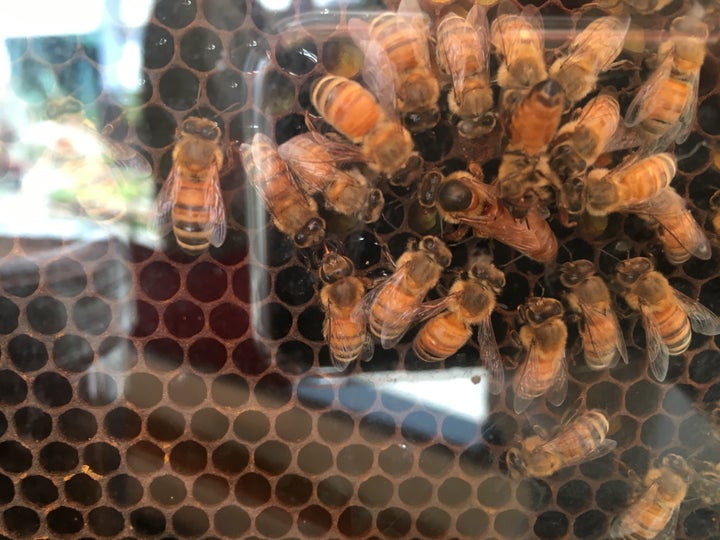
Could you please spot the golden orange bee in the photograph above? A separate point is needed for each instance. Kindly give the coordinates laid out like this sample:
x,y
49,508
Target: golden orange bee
x,y
354,112
668,315
397,302
472,301
579,440
345,191
190,198
345,326
654,514
543,337
603,341
463,50
293,212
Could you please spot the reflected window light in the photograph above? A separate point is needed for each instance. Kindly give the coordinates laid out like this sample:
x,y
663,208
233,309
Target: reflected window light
x,y
31,18
275,5
462,392
134,13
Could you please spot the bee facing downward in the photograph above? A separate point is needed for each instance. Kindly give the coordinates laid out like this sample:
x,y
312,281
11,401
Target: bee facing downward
x,y
345,327
190,198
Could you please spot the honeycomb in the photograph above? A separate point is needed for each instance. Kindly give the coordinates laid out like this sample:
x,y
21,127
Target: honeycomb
x,y
147,394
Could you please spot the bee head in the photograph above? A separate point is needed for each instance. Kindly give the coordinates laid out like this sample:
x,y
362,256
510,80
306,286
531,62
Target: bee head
x,y
427,192
311,234
487,272
477,126
574,272
417,122
630,270
335,267
373,206
201,127
565,160
454,196
539,310
437,249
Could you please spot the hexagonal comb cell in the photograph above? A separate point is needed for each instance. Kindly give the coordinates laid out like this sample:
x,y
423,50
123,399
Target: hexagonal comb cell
x,y
186,396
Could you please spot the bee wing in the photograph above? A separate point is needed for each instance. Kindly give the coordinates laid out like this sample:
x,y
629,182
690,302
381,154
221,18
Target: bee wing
x,y
626,523
477,19
657,351
529,372
164,203
557,393
490,355
216,207
610,31
687,117
635,113
378,71
601,447
703,320
595,319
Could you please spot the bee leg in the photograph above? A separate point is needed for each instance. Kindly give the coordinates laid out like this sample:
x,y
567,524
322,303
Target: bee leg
x,y
456,235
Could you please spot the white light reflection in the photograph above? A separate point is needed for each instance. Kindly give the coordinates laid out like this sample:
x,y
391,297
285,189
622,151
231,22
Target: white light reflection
x,y
30,18
462,392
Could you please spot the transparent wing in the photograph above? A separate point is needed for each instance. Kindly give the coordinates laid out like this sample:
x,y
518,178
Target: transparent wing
x,y
689,113
609,31
490,356
216,208
703,320
378,71
558,391
596,322
529,372
657,351
162,221
637,112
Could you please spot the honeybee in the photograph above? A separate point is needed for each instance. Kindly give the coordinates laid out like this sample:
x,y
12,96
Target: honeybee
x,y
667,314
103,174
463,48
655,513
603,341
397,65
629,185
518,38
706,481
190,199
345,326
472,301
591,52
293,212
663,109
715,207
681,236
524,177
543,337
397,302
577,146
462,197
354,112
579,440
346,192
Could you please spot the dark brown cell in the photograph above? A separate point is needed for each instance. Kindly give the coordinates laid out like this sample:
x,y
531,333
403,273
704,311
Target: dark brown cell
x,y
273,390
435,460
77,424
48,315
376,427
274,321
511,523
293,425
163,354
188,457
657,431
314,521
147,318
159,280
206,355
13,388
7,489
355,459
124,490
72,353
396,459
187,390
9,313
260,283
376,491
112,279
91,315
38,489
144,457
52,389
143,390
20,276
118,353
354,521
179,89
252,357
294,357
183,319
147,520
272,457
415,491
165,424
293,490
190,521
230,457
314,458
499,429
335,426
101,457
335,491
32,423
97,389
453,491
472,522
310,323
167,490
201,49
65,277
231,521
249,51
65,520
106,521
175,14
206,282
21,521
122,423
83,489
27,353
229,321
614,495
209,424
230,390
433,522
296,53
252,489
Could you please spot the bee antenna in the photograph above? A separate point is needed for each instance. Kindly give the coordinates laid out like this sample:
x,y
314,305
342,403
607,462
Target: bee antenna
x,y
680,157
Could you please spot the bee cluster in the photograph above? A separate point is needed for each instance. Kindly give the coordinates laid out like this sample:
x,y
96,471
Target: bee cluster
x,y
451,188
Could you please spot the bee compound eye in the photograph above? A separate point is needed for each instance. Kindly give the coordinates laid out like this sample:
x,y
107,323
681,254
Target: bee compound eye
x,y
454,196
